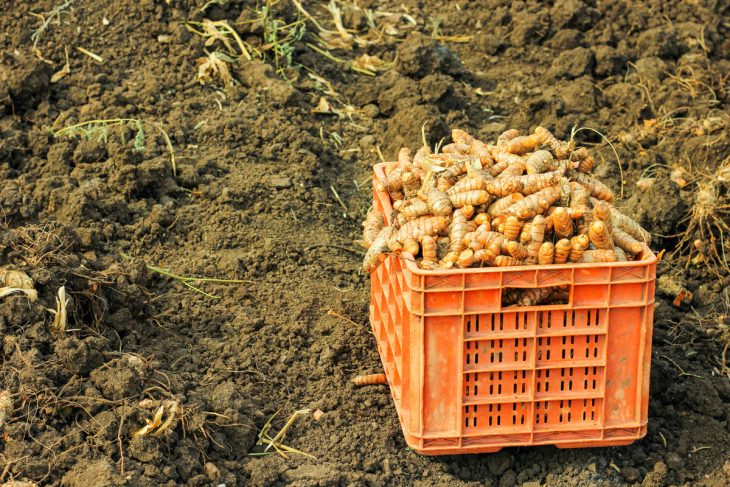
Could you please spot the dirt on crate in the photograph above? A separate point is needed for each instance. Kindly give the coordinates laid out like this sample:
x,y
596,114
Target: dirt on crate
x,y
269,188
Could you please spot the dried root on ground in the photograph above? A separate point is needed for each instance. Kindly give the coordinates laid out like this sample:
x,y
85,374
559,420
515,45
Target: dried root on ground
x,y
706,239
527,199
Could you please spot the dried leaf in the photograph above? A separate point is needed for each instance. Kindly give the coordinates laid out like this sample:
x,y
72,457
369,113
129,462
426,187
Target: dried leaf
x,y
7,291
324,107
371,63
57,76
212,67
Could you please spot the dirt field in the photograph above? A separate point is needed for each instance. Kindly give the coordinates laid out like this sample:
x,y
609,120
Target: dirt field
x,y
263,179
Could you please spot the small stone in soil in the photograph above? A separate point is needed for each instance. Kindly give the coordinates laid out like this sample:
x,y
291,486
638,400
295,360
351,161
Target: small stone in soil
x,y
280,182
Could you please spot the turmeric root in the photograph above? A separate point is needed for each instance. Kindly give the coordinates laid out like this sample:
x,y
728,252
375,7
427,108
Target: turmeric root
x,y
410,245
457,233
502,204
594,186
538,162
370,380
517,250
405,159
418,227
512,170
506,136
546,254
372,225
562,251
455,148
512,228
439,202
410,183
629,225
392,181
584,159
602,212
414,208
465,259
482,218
481,151
562,224
429,248
461,137
598,255
474,198
506,261
469,258
379,247
578,245
560,149
534,204
537,229
579,201
535,296
523,144
503,160
599,236
626,242
518,202
467,184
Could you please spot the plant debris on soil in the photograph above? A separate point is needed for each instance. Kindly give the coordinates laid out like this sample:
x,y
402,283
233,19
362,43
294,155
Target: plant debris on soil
x,y
246,153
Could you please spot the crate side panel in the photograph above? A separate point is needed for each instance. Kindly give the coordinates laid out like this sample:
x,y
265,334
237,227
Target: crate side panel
x,y
624,336
442,357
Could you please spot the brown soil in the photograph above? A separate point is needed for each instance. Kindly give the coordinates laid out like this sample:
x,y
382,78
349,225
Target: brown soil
x,y
252,200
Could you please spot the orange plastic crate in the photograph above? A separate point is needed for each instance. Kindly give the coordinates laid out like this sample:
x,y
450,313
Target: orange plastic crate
x,y
468,375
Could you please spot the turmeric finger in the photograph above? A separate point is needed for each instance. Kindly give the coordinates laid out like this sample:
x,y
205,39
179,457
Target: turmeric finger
x,y
562,224
474,198
506,136
579,244
375,253
546,253
439,202
535,296
599,236
538,162
512,228
534,204
626,242
429,248
461,136
598,255
370,380
372,225
629,225
517,250
506,261
596,188
562,251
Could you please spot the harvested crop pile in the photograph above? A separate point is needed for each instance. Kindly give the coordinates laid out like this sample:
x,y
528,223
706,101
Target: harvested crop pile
x,y
508,204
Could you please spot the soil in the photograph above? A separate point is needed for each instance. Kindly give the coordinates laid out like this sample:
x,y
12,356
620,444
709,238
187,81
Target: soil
x,y
271,193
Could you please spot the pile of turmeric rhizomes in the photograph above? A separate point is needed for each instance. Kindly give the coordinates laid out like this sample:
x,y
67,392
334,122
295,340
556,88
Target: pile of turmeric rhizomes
x,y
528,199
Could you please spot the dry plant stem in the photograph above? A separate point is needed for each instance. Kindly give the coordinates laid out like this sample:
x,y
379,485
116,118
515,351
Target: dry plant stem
x,y
276,441
187,280
618,159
